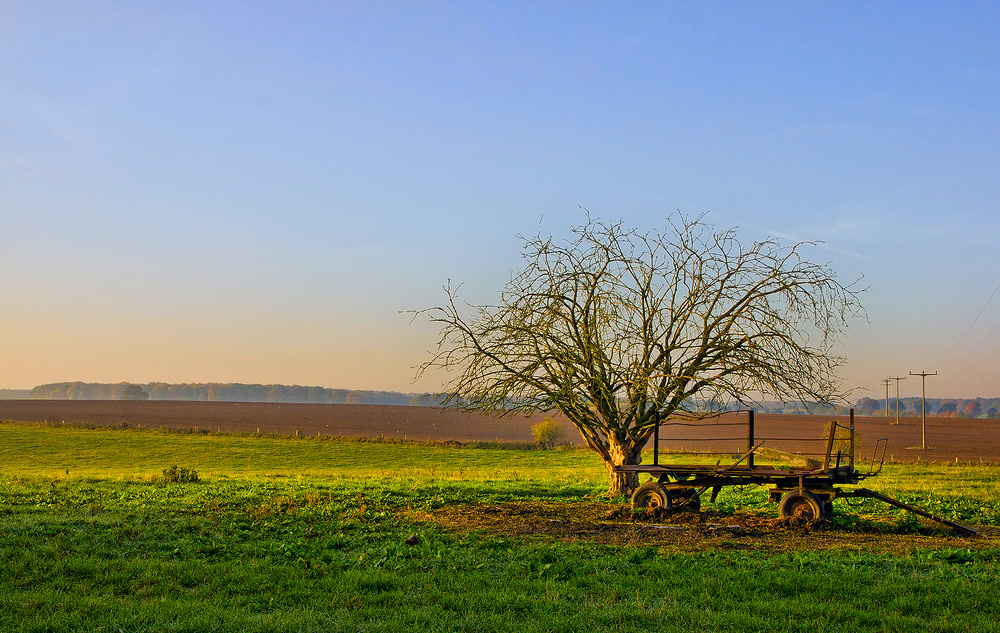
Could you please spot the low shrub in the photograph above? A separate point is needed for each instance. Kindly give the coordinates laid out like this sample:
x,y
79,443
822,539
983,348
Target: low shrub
x,y
547,433
180,475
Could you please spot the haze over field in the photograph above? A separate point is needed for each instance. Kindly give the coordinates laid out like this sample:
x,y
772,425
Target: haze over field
x,y
251,194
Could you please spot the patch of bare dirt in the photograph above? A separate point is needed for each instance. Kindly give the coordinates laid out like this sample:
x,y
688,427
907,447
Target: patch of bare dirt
x,y
689,531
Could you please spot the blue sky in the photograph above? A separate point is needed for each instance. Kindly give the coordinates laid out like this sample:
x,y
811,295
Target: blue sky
x,y
250,192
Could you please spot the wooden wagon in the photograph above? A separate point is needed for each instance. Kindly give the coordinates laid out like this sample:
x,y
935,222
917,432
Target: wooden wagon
x,y
804,491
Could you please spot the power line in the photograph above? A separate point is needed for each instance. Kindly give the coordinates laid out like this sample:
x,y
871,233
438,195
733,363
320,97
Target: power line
x,y
985,360
962,338
981,343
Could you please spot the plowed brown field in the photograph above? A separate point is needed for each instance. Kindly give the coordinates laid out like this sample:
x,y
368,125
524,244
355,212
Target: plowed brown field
x,y
947,438
357,420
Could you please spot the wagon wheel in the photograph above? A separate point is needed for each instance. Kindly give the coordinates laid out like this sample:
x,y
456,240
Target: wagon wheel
x,y
686,500
801,507
651,495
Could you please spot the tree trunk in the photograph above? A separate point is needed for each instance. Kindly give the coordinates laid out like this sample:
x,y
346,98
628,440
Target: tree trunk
x,y
622,483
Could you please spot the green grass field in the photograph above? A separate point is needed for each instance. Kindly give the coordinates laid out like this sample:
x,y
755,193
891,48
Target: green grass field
x,y
309,535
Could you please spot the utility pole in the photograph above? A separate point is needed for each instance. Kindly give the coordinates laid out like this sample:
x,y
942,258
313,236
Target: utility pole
x,y
923,406
886,383
897,379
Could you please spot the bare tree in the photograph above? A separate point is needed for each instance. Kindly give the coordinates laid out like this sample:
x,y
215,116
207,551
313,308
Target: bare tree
x,y
618,329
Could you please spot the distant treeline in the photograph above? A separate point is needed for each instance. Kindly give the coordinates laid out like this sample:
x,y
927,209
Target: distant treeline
x,y
238,392
938,407
908,407
225,392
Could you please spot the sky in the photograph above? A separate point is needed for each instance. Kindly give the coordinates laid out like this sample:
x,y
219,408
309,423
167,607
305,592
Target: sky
x,y
252,192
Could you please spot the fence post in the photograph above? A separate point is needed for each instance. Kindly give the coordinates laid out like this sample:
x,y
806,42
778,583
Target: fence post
x,y
656,440
852,437
750,438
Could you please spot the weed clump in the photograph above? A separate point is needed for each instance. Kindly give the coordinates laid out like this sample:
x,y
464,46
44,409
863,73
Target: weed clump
x,y
180,475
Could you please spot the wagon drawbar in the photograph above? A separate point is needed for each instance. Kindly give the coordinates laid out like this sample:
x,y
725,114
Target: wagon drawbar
x,y
803,493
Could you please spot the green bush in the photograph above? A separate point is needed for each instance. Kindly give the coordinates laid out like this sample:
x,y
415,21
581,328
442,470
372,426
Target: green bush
x,y
546,433
180,475
841,438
